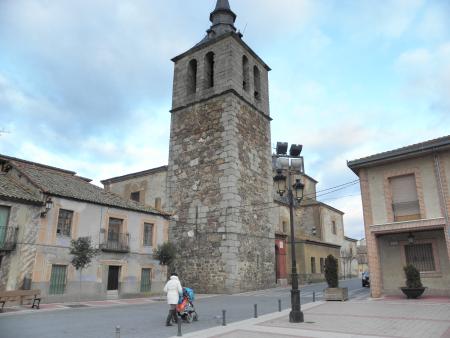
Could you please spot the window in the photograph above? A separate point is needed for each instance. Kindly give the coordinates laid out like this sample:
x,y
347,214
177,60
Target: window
x,y
158,203
257,82
135,196
64,227
192,77
114,229
58,279
421,256
209,70
405,203
284,226
245,74
333,227
313,264
148,234
322,265
4,219
146,280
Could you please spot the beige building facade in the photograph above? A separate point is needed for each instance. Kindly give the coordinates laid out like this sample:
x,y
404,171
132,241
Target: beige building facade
x,y
405,196
46,208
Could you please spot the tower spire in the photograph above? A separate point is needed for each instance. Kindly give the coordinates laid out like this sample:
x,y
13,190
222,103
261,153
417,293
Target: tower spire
x,y
222,19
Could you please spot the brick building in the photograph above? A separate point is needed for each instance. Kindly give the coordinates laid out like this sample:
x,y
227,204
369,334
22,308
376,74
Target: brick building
x,y
405,196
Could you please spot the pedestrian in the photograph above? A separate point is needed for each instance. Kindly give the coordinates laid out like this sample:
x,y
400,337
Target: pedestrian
x,y
174,290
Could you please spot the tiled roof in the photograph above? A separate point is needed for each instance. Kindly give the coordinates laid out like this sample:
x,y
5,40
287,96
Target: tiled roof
x,y
411,150
63,183
10,189
134,175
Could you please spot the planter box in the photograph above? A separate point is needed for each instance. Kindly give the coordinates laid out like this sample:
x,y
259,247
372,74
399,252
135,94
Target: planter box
x,y
340,294
413,293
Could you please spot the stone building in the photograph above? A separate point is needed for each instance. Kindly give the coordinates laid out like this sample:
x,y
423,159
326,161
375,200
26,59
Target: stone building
x,y
319,232
405,196
219,161
361,255
42,208
319,227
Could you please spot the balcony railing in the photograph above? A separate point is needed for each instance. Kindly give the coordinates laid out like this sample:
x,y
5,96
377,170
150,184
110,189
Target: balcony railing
x,y
406,211
8,238
114,241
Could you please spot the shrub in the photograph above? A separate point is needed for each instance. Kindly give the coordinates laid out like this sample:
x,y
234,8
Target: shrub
x,y
165,253
331,271
412,277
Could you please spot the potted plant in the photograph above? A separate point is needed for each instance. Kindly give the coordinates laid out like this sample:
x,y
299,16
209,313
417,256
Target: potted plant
x,y
414,287
333,292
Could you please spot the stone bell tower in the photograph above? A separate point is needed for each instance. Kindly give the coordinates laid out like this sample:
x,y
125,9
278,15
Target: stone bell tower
x,y
220,176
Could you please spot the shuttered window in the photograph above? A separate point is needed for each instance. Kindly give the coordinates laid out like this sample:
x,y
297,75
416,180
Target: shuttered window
x,y
148,234
64,227
146,280
4,217
58,279
405,203
313,264
421,256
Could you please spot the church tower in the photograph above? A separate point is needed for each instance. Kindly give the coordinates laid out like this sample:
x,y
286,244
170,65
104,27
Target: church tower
x,y
219,179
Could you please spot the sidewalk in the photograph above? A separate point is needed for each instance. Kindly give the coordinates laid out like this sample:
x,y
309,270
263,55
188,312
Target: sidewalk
x,y
14,310
428,317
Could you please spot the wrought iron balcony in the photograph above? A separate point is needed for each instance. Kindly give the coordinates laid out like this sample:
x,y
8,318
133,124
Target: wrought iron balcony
x,y
114,241
8,238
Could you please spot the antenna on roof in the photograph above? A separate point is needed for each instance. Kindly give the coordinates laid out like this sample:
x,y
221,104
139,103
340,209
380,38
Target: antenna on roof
x,y
244,28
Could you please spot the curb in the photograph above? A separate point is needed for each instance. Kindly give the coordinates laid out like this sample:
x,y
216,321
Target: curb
x,y
212,332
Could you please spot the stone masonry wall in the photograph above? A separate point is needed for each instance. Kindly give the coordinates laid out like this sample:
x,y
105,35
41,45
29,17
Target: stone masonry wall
x,y
219,184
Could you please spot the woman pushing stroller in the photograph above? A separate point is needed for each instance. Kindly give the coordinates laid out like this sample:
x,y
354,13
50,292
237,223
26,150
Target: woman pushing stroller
x,y
174,290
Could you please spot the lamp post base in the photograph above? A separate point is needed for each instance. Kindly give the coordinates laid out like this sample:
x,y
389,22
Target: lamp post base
x,y
296,315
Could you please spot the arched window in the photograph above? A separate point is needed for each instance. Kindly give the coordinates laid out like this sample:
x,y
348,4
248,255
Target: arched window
x,y
192,77
245,74
209,70
257,82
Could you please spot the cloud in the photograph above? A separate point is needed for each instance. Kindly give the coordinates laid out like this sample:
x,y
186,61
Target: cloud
x,y
426,75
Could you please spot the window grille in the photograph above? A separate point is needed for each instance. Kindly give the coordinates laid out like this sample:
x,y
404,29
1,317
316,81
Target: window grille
x,y
64,227
146,280
58,279
148,234
421,256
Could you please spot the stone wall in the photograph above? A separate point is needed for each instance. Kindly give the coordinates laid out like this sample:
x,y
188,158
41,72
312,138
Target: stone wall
x,y
219,183
18,264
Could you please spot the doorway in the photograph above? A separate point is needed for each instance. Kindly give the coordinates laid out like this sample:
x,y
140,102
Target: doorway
x,y
277,269
113,278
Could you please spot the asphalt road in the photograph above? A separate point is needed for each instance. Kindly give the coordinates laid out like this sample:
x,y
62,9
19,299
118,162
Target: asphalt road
x,y
142,321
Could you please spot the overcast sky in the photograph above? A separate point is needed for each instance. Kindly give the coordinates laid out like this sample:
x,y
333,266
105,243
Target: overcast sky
x,y
86,85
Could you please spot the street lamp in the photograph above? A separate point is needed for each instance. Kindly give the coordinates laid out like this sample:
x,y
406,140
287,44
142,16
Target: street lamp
x,y
292,164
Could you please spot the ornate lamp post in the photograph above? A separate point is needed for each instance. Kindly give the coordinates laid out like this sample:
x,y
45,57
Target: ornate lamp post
x,y
292,164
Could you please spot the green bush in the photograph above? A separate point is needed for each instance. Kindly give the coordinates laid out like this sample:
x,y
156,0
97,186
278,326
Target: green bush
x,y
412,277
331,271
165,253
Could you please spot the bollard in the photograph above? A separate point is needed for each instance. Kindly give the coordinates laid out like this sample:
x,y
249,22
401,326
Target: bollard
x,y
279,305
179,334
224,320
314,296
117,331
256,310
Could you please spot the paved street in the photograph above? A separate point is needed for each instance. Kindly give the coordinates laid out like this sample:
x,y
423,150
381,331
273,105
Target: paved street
x,y
147,320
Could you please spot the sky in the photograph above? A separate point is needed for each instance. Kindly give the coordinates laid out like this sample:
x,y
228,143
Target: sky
x,y
86,85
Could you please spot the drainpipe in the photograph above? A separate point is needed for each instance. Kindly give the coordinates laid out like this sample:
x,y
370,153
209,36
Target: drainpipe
x,y
441,190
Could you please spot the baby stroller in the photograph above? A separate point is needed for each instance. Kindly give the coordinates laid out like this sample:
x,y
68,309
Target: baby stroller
x,y
185,307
